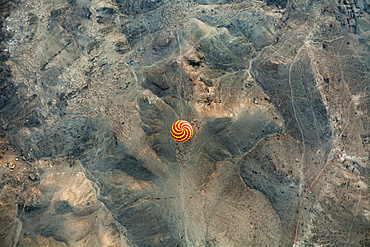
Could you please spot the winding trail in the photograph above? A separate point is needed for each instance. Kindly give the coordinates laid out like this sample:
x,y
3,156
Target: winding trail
x,y
182,159
308,191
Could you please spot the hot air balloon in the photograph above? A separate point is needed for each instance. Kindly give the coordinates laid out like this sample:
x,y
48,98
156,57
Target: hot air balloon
x,y
181,131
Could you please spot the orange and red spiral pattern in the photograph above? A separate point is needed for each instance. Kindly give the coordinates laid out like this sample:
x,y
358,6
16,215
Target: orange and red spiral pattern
x,y
181,131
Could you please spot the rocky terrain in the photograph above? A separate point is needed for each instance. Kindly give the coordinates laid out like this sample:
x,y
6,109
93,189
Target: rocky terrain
x,y
277,92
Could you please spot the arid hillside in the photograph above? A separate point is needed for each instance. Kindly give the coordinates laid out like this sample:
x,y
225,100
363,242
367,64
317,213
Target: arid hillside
x,y
277,92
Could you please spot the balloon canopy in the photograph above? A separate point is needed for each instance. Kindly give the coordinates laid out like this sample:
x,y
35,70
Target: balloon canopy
x,y
181,131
